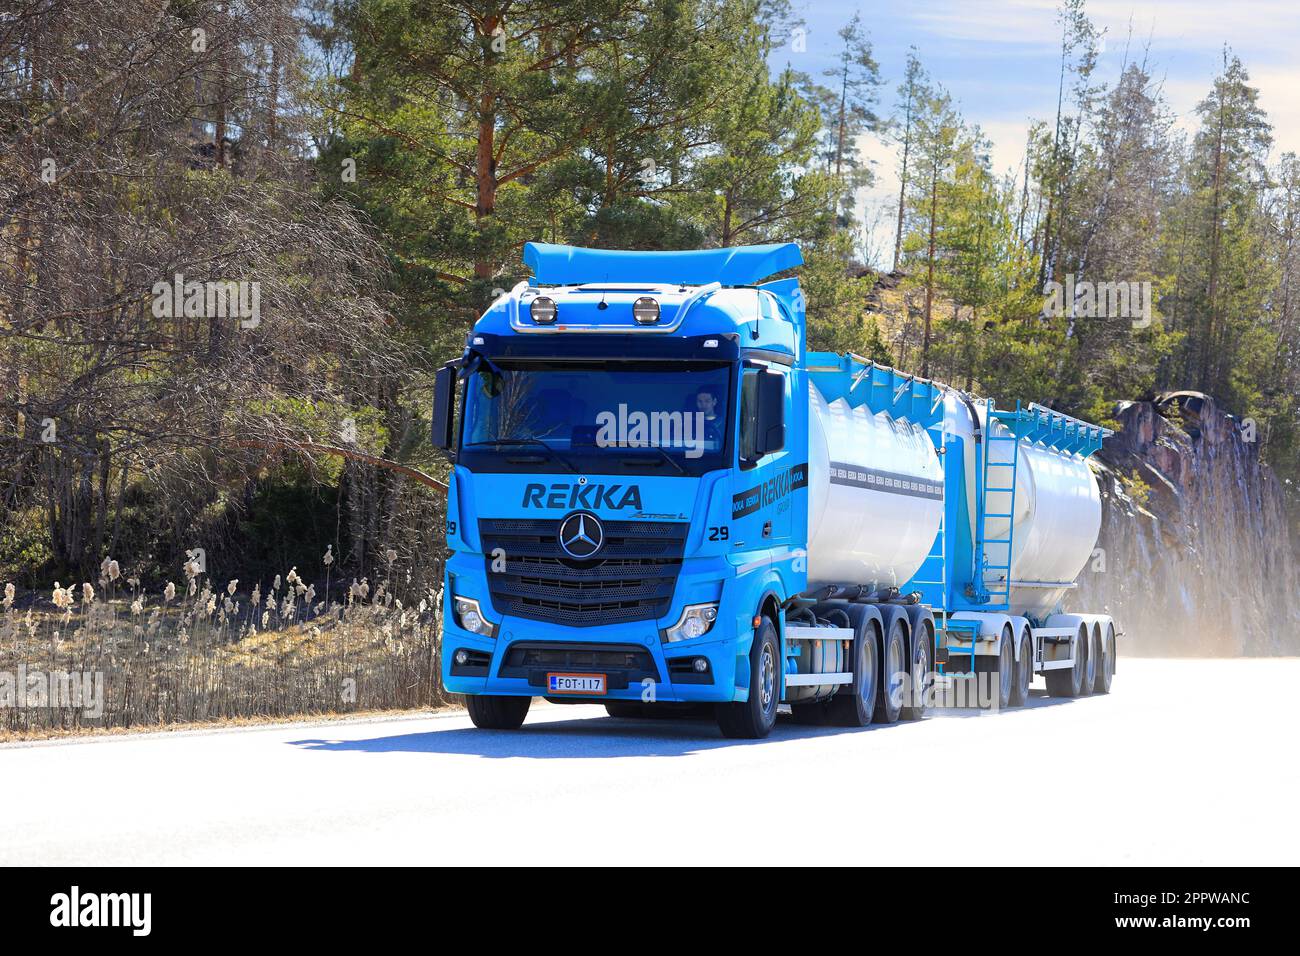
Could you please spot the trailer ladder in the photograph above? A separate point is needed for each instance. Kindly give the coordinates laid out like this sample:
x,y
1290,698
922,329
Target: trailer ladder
x,y
993,567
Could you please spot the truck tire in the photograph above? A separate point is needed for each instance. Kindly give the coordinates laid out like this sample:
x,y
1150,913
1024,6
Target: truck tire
x,y
914,708
1089,666
491,712
753,719
1003,667
1106,663
857,709
893,672
1068,683
1024,672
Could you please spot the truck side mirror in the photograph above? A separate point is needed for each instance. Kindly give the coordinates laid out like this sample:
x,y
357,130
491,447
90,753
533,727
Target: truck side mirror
x,y
771,412
444,406
762,412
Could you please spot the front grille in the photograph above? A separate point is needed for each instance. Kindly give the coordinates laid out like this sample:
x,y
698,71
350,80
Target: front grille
x,y
630,579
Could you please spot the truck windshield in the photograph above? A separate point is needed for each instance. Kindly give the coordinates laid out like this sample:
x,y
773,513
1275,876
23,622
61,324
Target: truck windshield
x,y
627,417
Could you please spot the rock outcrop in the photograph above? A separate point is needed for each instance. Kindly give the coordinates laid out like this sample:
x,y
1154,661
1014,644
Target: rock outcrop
x,y
1196,553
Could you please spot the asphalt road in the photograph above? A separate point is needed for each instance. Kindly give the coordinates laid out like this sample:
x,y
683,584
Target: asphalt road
x,y
1186,762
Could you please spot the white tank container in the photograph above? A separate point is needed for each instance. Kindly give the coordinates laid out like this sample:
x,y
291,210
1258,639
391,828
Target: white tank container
x,y
1057,514
875,495
875,501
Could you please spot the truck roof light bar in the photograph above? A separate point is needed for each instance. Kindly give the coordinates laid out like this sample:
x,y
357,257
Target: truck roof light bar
x,y
515,311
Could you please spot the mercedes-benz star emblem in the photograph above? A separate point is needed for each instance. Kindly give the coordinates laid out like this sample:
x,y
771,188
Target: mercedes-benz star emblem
x,y
581,534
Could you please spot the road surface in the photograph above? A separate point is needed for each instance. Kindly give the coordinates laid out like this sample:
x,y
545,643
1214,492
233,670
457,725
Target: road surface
x,y
1186,762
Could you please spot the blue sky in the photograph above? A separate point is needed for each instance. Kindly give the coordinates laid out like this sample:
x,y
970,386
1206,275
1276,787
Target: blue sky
x,y
999,58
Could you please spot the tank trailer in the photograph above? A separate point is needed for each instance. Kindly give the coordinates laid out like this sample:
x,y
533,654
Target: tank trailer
x,y
661,500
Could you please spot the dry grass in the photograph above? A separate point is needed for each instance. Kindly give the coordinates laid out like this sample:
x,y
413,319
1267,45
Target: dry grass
x,y
204,652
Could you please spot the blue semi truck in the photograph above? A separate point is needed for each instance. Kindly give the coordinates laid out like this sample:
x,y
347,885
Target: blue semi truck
x,y
661,500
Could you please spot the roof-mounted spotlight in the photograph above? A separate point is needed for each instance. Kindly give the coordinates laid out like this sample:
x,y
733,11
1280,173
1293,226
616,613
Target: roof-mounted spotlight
x,y
645,310
543,310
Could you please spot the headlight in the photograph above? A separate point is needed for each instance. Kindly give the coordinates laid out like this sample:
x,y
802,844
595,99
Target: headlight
x,y
696,621
470,616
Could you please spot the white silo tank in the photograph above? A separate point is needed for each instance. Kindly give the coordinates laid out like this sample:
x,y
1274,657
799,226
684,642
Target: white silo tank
x,y
875,495
1057,517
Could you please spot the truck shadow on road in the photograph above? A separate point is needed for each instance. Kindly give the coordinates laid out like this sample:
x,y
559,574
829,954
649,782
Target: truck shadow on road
x,y
591,737
603,737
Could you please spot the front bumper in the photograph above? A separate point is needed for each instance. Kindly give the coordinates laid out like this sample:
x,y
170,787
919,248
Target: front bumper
x,y
636,664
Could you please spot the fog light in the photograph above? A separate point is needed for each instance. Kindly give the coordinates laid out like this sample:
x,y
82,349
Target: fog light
x,y
543,310
645,310
462,657
701,665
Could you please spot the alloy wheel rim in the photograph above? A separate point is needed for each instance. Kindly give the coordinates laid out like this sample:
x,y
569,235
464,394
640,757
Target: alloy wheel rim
x,y
895,669
866,682
767,677
1004,676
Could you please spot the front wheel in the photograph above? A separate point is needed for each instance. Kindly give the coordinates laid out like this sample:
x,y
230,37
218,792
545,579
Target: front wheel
x,y
753,719
491,712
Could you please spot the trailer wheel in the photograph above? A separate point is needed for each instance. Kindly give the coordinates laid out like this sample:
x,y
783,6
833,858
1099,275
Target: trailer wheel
x,y
1090,665
856,709
893,674
1106,663
753,719
1069,683
1004,666
921,677
1024,672
492,712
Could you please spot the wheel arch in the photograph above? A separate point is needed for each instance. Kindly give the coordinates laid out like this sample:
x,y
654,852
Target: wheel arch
x,y
889,613
993,627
